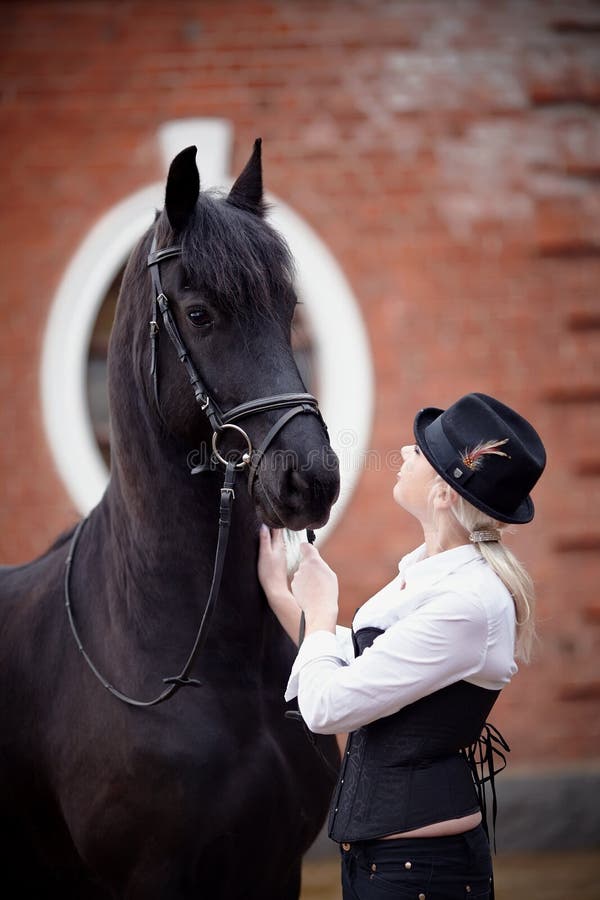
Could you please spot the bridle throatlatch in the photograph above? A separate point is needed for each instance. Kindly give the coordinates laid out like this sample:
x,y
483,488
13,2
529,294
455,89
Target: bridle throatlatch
x,y
292,403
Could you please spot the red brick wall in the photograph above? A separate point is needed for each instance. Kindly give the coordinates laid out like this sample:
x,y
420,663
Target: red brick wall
x,y
448,154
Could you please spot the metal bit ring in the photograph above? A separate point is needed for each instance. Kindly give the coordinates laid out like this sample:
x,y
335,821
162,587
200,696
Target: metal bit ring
x,y
245,457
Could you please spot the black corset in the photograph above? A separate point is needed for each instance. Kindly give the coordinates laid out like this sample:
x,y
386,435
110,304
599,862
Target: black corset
x,y
411,768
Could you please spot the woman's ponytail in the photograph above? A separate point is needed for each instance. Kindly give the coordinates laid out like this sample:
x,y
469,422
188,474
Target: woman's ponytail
x,y
508,569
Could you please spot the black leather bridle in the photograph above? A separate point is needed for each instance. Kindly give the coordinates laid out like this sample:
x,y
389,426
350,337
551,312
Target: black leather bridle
x,y
292,403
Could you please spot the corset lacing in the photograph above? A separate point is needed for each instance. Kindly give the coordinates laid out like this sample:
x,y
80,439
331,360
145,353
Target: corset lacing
x,y
481,755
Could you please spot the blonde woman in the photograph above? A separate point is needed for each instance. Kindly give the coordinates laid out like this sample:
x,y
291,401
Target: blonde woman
x,y
414,680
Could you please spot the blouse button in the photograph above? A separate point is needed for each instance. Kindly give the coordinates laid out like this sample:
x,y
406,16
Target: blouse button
x,y
373,867
408,865
422,897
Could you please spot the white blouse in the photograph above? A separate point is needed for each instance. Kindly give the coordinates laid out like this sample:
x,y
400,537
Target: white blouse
x,y
446,618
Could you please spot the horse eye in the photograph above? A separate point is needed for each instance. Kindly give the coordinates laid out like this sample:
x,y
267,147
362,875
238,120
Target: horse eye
x,y
200,318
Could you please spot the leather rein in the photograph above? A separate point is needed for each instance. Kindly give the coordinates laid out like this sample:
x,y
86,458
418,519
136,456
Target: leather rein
x,y
292,403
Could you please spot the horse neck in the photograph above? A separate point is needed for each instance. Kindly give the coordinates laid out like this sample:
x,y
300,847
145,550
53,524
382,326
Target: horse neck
x,y
160,524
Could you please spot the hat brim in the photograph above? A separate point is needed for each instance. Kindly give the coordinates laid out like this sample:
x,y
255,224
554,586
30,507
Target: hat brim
x,y
521,515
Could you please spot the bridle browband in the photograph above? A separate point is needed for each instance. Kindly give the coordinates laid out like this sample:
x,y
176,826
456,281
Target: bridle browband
x,y
292,403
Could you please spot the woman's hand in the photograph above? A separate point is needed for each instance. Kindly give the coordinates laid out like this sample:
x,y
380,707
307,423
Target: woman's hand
x,y
272,563
315,590
272,574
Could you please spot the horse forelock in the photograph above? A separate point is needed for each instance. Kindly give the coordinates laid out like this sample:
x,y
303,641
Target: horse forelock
x,y
231,256
238,260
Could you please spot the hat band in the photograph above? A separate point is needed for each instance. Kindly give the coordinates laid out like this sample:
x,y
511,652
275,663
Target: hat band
x,y
446,456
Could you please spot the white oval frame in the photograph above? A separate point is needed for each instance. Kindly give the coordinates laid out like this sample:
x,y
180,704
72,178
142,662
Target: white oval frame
x,y
343,358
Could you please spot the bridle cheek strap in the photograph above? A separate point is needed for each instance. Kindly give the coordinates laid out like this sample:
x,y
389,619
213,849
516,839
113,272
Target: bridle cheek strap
x,y
207,406
160,304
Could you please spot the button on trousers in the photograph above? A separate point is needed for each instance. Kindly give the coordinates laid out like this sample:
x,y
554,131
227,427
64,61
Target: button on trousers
x,y
457,867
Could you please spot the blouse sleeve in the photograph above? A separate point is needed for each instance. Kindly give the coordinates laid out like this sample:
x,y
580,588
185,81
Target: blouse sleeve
x,y
337,647
442,642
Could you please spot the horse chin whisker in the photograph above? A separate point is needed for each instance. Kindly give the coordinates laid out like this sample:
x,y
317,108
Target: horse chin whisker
x,y
267,512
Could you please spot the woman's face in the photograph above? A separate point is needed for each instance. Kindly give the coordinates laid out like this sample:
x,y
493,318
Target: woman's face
x,y
413,484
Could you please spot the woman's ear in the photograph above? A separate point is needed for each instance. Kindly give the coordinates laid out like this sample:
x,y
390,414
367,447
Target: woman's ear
x,y
444,497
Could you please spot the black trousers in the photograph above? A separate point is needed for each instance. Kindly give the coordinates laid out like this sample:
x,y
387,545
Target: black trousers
x,y
458,867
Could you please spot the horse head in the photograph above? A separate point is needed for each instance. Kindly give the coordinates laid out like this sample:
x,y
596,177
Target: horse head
x,y
216,281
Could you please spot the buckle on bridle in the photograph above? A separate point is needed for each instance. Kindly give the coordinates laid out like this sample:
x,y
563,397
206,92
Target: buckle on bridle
x,y
153,326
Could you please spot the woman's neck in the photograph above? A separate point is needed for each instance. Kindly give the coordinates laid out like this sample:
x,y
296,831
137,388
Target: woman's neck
x,y
443,535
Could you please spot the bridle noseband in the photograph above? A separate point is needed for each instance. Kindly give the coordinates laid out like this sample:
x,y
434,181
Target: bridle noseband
x,y
292,403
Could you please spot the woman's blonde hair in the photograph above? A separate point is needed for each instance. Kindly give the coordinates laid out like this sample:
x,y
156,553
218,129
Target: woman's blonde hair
x,y
506,566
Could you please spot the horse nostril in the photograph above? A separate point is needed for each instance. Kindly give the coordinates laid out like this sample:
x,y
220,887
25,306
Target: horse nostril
x,y
308,492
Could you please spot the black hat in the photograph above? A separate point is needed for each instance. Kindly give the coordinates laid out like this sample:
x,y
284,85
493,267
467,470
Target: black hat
x,y
487,452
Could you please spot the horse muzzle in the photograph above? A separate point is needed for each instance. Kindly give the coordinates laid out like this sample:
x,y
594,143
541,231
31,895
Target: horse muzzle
x,y
296,494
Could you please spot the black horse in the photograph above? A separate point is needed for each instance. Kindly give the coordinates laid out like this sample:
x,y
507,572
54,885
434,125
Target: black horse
x,y
212,793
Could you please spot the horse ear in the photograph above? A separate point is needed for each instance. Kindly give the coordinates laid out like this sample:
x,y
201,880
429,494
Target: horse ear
x,y
247,191
183,187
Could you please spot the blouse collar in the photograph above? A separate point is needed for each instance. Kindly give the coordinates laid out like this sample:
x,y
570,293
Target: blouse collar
x,y
417,567
418,574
